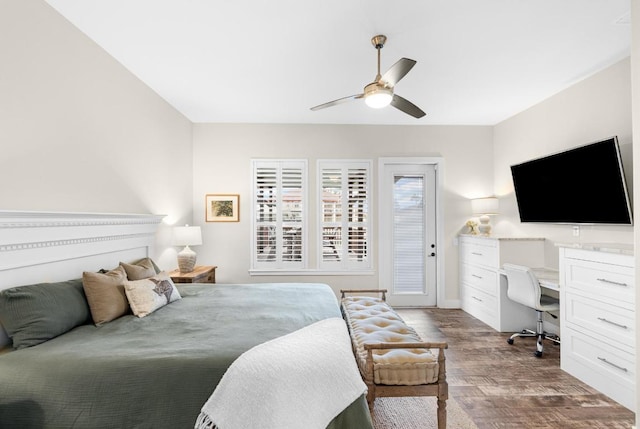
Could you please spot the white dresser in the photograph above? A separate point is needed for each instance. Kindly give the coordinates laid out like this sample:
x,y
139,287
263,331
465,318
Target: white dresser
x,y
597,326
483,291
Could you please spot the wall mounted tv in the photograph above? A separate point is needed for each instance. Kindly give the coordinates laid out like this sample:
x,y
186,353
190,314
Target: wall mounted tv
x,y
584,185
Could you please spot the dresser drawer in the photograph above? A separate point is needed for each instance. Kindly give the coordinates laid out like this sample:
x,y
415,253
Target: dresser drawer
x,y
607,368
598,322
615,282
480,254
480,305
480,278
594,317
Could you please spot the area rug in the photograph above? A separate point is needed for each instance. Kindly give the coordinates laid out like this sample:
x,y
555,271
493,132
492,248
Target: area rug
x,y
417,413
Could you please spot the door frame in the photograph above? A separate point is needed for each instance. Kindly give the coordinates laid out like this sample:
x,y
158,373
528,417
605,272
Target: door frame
x,y
438,163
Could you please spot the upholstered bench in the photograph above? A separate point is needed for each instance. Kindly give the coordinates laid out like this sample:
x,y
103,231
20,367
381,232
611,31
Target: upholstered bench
x,y
392,358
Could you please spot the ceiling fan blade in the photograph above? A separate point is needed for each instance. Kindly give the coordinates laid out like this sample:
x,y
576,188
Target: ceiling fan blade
x,y
397,71
338,101
406,106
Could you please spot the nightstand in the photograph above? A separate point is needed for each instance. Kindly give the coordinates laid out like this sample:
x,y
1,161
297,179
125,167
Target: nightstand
x,y
200,274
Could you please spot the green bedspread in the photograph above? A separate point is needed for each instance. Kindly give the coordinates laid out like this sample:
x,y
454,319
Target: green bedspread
x,y
158,371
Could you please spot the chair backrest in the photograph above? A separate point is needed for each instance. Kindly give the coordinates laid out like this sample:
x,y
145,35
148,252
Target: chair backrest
x,y
523,286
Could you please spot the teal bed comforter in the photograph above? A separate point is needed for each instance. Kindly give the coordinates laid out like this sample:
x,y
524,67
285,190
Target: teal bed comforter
x,y
157,371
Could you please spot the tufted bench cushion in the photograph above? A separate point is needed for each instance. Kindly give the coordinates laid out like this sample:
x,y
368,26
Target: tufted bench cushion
x,y
372,321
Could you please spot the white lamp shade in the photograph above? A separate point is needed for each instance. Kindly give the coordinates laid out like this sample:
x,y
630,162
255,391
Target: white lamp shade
x,y
485,206
187,236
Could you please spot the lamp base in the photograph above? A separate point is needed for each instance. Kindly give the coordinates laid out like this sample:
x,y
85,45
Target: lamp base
x,y
186,260
484,227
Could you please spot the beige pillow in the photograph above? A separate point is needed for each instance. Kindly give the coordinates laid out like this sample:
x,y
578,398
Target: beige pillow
x,y
147,295
140,270
105,294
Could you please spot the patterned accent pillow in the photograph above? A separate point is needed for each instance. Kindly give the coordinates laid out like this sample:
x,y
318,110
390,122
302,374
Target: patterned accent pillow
x,y
105,294
148,295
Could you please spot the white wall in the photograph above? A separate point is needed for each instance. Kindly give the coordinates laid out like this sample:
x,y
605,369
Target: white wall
x,y
78,132
635,101
595,108
222,156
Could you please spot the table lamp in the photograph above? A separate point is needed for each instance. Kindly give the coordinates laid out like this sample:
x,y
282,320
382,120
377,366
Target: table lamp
x,y
484,207
187,236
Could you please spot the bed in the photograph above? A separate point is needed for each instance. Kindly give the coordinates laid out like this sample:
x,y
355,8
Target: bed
x,y
156,371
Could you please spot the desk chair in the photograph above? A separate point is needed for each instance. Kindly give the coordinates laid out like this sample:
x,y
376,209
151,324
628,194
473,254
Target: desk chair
x,y
524,288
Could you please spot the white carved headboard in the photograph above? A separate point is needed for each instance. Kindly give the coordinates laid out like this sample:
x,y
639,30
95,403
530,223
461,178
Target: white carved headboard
x,y
37,247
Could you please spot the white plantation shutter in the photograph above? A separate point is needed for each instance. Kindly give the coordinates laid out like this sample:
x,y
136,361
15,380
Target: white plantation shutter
x,y
344,200
279,214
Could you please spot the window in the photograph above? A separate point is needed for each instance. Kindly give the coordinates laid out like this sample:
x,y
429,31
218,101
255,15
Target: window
x,y
280,209
344,203
279,214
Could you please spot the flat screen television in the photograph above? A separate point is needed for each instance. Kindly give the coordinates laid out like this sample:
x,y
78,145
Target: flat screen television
x,y
584,185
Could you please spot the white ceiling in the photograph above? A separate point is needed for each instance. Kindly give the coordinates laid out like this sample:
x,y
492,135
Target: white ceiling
x,y
261,61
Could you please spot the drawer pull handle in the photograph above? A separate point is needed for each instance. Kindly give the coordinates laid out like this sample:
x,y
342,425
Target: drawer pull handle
x,y
476,253
602,319
611,282
613,364
477,299
476,276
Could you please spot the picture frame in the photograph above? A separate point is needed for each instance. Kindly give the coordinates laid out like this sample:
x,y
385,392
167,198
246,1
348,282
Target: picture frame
x,y
222,207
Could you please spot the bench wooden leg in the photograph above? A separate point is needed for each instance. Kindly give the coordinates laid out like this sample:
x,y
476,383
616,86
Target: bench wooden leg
x,y
371,396
442,413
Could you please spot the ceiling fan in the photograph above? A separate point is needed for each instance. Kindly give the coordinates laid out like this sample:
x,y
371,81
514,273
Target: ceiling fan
x,y
379,93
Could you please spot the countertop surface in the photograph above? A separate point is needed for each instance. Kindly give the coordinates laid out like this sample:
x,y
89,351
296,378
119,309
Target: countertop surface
x,y
618,248
503,237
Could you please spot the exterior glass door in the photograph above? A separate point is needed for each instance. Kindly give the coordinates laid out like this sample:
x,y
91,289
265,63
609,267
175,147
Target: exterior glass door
x,y
407,242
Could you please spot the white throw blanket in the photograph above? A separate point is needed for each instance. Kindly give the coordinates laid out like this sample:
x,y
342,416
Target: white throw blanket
x,y
300,380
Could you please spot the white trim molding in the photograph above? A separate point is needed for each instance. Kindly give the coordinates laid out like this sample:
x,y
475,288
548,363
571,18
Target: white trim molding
x,y
33,238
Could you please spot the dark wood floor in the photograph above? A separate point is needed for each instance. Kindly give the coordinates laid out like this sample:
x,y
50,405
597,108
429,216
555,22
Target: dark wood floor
x,y
505,386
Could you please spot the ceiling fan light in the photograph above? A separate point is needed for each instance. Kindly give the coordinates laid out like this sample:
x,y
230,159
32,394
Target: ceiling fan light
x,y
379,99
376,95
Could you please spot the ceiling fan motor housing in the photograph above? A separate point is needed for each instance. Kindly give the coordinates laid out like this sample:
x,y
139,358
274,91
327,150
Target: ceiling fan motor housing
x,y
379,41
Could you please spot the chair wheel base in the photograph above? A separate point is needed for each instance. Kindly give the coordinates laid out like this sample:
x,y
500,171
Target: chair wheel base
x,y
537,354
510,340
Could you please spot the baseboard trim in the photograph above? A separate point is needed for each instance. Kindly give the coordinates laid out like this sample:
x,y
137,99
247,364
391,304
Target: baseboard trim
x,y
450,303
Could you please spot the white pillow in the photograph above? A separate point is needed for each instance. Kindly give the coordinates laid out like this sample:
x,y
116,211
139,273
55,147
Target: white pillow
x,y
147,295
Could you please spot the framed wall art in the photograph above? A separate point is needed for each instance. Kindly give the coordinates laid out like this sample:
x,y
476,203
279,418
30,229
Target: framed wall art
x,y
222,207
